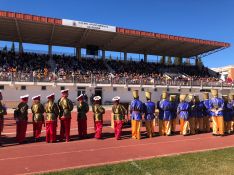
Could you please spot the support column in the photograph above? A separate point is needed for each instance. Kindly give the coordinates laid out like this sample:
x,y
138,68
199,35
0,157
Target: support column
x,y
21,49
125,56
78,54
50,51
187,61
145,57
196,61
162,60
103,55
180,61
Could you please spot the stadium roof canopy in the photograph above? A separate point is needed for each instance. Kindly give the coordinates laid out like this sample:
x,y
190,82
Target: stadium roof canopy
x,y
28,28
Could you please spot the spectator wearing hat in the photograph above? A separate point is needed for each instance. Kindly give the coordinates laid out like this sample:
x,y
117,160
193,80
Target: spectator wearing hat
x,y
65,106
38,117
183,110
98,111
3,112
136,110
118,112
206,112
173,105
52,113
82,110
149,114
217,105
21,117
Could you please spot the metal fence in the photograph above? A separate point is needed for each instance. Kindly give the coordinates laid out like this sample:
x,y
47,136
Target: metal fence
x,y
97,79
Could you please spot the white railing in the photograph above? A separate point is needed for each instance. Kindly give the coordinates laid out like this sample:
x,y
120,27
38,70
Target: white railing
x,y
97,79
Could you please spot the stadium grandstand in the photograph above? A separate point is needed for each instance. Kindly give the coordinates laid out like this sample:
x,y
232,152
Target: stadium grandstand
x,y
94,73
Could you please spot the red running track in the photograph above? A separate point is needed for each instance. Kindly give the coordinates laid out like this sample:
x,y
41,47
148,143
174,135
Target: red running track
x,y
42,157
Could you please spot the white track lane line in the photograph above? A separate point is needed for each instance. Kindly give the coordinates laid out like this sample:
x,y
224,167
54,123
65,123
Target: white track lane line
x,y
124,160
100,149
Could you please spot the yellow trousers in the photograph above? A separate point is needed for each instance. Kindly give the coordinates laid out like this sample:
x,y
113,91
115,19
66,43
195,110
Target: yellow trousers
x,y
136,129
218,125
184,127
173,125
232,126
199,124
161,127
227,126
149,124
206,124
192,122
165,127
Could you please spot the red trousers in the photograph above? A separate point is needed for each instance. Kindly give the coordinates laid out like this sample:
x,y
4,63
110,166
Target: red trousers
x,y
51,131
65,128
37,126
118,128
98,129
1,128
21,128
82,127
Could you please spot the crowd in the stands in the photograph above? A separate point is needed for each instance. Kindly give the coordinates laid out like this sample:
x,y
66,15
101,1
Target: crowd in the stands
x,y
61,68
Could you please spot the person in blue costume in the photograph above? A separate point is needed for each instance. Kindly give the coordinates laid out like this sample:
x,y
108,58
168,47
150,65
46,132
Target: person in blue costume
x,y
160,118
166,116
136,110
198,112
192,114
183,110
227,114
174,105
231,97
206,112
217,105
149,110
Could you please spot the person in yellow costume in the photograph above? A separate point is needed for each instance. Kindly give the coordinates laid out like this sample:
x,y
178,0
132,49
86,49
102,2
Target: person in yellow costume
x,y
136,110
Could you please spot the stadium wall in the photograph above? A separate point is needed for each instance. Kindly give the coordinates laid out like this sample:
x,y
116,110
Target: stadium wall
x,y
12,92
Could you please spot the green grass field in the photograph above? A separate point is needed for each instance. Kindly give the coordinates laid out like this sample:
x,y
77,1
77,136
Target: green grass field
x,y
205,163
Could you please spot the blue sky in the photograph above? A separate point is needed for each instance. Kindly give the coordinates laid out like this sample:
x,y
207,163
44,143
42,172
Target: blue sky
x,y
206,19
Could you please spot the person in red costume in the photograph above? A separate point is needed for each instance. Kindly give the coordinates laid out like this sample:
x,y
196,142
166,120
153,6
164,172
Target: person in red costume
x,y
38,117
98,112
3,112
21,117
52,113
65,107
